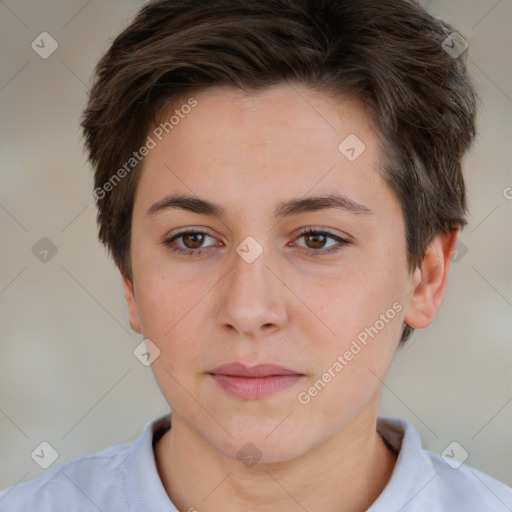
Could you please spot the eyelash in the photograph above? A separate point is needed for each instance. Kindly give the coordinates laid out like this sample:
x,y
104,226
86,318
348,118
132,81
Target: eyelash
x,y
308,231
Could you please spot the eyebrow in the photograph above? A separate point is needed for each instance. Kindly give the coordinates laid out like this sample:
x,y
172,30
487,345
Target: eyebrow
x,y
284,209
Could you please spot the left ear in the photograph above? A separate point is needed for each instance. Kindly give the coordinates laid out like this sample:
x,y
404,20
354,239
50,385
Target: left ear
x,y
429,281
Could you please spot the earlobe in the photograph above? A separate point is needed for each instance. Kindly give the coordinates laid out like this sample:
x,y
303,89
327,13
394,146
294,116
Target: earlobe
x,y
131,304
428,283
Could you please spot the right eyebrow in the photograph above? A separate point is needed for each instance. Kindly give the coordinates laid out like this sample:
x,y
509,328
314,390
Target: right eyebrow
x,y
188,203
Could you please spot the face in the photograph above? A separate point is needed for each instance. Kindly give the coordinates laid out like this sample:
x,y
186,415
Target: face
x,y
290,251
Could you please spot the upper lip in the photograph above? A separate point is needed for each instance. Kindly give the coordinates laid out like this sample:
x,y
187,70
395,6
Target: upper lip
x,y
259,370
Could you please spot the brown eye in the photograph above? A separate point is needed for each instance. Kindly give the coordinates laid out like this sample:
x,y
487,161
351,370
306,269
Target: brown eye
x,y
321,242
315,240
193,240
189,243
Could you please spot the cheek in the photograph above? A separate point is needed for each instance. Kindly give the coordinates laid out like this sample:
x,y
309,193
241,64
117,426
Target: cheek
x,y
164,295
351,364
348,304
173,315
361,315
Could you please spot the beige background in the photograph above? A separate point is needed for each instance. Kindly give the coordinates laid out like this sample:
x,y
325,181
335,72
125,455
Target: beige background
x,y
67,372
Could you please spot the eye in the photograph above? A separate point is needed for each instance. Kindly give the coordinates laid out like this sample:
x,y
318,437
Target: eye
x,y
316,241
188,242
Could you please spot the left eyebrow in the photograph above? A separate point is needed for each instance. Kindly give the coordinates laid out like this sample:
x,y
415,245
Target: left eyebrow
x,y
315,203
284,209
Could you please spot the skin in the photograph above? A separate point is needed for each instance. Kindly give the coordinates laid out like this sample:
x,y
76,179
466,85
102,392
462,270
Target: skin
x,y
291,306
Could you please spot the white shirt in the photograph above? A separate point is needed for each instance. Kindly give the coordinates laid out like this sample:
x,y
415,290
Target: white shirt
x,y
124,478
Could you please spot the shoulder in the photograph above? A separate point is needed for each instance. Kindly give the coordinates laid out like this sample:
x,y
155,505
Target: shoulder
x,y
461,487
123,477
80,484
425,481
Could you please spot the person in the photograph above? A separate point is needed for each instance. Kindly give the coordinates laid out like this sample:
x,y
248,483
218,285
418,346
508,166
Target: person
x,y
279,183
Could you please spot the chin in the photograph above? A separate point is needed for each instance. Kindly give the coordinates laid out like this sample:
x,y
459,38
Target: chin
x,y
262,451
263,445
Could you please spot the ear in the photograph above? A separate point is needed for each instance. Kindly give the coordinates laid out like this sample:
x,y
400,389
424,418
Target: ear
x,y
131,304
429,281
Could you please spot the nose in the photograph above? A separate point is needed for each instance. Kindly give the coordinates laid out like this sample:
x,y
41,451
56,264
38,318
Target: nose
x,y
253,300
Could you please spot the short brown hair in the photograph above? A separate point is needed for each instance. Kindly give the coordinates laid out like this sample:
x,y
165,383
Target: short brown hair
x,y
387,53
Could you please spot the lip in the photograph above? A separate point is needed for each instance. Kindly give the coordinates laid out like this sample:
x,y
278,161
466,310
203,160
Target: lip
x,y
254,382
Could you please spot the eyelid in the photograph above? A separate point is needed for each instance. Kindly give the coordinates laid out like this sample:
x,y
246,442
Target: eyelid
x,y
327,231
190,229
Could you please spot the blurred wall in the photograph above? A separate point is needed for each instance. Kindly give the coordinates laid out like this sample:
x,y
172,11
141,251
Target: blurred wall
x,y
67,372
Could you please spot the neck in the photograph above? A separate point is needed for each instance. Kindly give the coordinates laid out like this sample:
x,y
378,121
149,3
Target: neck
x,y
349,470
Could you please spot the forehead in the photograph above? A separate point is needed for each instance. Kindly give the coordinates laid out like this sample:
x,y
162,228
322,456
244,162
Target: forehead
x,y
234,144
276,119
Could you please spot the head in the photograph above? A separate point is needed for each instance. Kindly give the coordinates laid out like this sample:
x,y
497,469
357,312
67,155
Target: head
x,y
240,125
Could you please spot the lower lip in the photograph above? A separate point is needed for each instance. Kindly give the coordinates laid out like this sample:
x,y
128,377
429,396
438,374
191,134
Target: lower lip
x,y
255,387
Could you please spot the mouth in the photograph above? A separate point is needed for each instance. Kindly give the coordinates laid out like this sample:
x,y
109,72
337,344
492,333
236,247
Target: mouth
x,y
254,382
